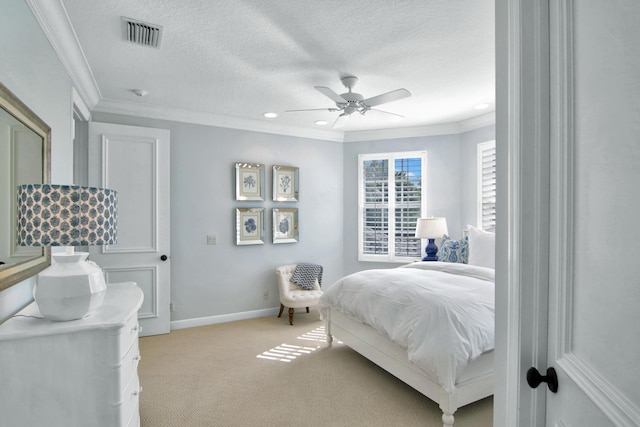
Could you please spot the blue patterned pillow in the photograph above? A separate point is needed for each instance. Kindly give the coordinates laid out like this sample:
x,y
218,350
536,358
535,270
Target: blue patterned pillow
x,y
453,250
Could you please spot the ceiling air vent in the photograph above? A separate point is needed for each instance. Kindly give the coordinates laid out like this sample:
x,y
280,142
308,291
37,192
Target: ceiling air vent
x,y
141,33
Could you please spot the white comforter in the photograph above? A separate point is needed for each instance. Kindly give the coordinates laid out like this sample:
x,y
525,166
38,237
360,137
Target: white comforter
x,y
442,313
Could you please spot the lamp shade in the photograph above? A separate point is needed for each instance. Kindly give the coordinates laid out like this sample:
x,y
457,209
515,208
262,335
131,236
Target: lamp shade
x,y
431,228
66,215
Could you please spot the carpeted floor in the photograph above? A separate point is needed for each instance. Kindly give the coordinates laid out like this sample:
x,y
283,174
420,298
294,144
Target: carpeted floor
x,y
263,372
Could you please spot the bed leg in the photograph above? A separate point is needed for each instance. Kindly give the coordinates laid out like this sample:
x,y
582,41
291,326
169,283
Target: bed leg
x,y
447,420
327,332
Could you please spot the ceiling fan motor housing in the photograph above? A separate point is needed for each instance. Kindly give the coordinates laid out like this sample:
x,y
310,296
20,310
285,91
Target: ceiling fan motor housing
x,y
353,102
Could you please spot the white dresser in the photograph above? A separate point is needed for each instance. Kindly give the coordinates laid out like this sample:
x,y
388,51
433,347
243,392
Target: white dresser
x,y
79,373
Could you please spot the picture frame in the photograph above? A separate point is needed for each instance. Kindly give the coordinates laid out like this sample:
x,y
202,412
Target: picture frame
x,y
249,226
285,225
285,183
249,181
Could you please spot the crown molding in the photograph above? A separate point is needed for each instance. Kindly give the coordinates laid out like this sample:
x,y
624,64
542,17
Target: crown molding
x,y
397,133
210,119
54,21
477,122
417,131
219,120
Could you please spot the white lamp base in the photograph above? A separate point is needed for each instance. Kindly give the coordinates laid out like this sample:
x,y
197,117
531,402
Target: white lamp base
x,y
71,288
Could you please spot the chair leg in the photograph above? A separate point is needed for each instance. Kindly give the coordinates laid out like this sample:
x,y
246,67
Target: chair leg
x,y
291,315
307,309
281,309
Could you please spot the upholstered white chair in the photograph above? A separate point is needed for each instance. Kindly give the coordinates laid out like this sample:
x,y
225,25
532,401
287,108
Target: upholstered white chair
x,y
291,295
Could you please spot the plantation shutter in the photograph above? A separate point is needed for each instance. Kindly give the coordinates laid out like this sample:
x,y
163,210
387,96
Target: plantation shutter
x,y
391,199
487,179
376,205
408,196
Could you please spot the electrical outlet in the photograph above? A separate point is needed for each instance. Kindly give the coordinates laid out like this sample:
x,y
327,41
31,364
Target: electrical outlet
x,y
265,295
171,306
212,239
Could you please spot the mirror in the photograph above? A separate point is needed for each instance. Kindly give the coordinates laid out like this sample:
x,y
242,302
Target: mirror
x,y
25,157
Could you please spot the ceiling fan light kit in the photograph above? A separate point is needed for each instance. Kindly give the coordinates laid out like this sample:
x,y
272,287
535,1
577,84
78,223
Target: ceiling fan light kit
x,y
350,102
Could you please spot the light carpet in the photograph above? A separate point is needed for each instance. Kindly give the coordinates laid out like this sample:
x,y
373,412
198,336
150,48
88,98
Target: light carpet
x,y
264,372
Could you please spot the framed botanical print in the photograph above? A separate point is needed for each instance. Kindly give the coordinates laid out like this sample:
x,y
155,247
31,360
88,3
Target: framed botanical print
x,y
285,225
249,181
249,226
285,184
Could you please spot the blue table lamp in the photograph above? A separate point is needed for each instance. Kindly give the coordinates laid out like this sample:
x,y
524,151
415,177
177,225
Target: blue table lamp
x,y
431,228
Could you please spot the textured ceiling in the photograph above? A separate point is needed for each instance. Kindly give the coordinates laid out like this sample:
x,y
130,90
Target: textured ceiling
x,y
236,59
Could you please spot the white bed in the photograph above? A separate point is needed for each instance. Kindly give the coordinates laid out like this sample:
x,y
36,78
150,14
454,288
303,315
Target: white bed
x,y
430,324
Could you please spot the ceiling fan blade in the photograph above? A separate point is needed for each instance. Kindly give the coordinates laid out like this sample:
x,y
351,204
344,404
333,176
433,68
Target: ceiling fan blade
x,y
394,95
331,94
341,120
311,109
393,117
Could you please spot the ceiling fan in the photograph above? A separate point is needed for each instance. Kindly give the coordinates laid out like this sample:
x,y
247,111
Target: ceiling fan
x,y
350,102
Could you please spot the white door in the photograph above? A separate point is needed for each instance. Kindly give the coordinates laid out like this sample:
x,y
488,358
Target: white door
x,y
135,162
594,287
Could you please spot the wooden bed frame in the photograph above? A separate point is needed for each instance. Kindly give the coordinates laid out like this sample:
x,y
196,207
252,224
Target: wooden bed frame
x,y
475,383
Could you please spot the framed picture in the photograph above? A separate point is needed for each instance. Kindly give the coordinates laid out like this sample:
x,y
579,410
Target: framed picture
x,y
285,184
249,181
249,226
285,225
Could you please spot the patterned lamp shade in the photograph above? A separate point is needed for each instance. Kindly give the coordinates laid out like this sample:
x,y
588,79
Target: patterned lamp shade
x,y
66,215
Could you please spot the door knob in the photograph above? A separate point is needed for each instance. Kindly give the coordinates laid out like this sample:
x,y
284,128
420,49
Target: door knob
x,y
164,257
534,379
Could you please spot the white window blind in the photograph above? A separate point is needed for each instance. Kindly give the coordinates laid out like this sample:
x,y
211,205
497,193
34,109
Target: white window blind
x,y
391,199
487,185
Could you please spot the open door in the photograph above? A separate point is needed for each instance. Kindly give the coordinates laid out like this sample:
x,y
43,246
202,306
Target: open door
x,y
594,339
569,135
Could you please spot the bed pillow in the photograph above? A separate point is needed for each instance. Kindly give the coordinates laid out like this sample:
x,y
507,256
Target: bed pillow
x,y
482,247
453,250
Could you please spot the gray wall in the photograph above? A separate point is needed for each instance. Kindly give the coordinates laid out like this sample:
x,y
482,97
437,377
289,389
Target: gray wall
x,y
225,278
32,71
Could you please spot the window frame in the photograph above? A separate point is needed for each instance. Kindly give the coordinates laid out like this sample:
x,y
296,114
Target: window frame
x,y
391,206
481,148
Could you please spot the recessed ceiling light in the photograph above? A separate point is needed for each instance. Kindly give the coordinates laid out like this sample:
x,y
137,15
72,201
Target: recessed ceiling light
x,y
481,106
270,115
321,122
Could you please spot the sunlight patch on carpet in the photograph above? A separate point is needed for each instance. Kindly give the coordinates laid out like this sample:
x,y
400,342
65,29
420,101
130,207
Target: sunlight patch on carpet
x,y
286,352
317,335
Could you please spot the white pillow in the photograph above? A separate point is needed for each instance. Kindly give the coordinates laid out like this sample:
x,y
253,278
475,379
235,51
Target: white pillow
x,y
482,247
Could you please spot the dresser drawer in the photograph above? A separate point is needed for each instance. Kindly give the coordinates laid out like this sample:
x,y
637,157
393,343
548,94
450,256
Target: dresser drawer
x,y
128,335
129,365
125,365
129,406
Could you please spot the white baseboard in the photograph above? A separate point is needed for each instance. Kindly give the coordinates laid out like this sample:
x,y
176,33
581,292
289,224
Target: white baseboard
x,y
224,318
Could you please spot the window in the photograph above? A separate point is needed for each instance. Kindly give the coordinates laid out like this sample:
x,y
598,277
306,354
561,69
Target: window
x,y
487,185
391,197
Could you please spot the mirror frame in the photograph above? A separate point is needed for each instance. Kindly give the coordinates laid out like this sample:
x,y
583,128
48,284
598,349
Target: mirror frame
x,y
12,105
